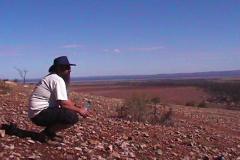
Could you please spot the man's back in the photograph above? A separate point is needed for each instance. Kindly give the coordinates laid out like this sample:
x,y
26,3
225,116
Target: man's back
x,y
50,89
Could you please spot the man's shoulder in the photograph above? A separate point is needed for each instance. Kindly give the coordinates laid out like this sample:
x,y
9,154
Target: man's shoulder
x,y
53,77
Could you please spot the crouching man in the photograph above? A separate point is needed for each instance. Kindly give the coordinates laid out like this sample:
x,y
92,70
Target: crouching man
x,y
49,105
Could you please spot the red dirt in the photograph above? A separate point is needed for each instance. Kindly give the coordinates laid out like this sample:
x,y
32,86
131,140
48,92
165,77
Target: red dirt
x,y
175,95
197,133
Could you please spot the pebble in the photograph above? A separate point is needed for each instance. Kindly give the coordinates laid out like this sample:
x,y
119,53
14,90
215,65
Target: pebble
x,y
142,146
17,154
78,148
131,154
33,157
159,152
115,155
100,147
100,158
186,158
11,147
93,142
124,145
24,112
31,141
145,134
2,133
110,148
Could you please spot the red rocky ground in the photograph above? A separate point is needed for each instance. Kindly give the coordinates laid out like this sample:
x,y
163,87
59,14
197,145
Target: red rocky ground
x,y
197,133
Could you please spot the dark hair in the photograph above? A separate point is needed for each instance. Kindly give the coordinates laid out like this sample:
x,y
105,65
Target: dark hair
x,y
60,68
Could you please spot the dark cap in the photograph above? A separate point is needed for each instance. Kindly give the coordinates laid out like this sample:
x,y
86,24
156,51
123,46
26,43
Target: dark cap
x,y
63,60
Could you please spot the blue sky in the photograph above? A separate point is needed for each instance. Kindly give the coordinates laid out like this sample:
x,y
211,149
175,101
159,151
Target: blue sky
x,y
119,37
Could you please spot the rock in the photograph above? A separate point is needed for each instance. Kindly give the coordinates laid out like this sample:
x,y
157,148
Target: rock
x,y
78,148
79,134
31,141
17,154
100,147
238,158
93,142
24,112
125,137
191,153
142,146
178,140
131,155
157,146
34,157
2,133
145,134
219,158
124,145
205,157
186,158
100,158
84,144
69,157
175,154
159,152
11,156
110,148
11,147
115,155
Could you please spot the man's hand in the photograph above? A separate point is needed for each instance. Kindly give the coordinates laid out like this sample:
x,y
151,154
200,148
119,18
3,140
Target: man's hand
x,y
84,112
70,105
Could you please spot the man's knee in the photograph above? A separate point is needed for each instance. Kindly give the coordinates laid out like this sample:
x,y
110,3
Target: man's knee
x,y
72,118
75,119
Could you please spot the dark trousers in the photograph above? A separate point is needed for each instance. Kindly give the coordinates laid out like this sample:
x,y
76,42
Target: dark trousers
x,y
55,115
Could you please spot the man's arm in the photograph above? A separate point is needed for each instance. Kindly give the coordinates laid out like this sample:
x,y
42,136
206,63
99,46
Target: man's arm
x,y
70,105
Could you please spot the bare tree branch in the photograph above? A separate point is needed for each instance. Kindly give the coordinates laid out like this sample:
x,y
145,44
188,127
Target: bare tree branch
x,y
22,73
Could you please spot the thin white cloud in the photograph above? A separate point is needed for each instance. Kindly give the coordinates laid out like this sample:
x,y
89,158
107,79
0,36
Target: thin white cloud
x,y
139,49
149,49
116,50
106,50
72,46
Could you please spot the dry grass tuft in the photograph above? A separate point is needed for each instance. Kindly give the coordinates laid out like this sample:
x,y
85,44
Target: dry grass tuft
x,y
141,108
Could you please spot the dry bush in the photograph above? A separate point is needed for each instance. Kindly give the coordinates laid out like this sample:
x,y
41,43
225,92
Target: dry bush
x,y
135,108
190,103
164,116
4,88
141,108
202,104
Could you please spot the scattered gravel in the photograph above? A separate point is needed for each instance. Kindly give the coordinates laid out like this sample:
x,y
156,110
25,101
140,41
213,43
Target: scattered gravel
x,y
196,133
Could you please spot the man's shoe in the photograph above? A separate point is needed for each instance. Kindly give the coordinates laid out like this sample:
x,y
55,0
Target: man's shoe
x,y
57,138
50,135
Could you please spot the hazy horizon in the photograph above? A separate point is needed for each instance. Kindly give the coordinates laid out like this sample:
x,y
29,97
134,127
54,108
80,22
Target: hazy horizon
x,y
186,75
106,38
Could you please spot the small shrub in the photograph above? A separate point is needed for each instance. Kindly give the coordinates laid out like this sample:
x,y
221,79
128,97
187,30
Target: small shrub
x,y
143,109
202,104
191,103
136,107
4,88
166,118
155,100
163,116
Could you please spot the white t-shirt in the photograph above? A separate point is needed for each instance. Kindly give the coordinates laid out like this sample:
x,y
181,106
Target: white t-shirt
x,y
50,89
